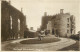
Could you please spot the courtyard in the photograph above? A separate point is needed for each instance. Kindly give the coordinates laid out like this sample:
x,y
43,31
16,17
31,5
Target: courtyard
x,y
46,28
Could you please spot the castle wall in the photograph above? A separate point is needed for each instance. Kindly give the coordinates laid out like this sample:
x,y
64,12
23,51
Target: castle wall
x,y
7,12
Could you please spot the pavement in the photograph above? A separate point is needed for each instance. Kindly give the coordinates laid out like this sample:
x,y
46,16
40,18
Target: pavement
x,y
64,42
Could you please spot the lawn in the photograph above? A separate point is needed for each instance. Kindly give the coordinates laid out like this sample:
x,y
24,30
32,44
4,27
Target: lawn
x,y
37,41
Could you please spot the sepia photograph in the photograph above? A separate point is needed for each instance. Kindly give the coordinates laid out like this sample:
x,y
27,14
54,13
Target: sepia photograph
x,y
40,25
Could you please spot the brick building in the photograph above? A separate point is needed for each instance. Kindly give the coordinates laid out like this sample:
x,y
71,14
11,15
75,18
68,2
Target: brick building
x,y
13,22
63,24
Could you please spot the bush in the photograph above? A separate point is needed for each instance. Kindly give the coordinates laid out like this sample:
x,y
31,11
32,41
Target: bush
x,y
76,37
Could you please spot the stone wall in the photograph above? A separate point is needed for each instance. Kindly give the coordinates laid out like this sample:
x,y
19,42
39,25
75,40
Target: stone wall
x,y
8,12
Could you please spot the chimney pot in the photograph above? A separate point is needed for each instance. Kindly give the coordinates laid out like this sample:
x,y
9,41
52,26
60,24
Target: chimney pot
x,y
45,14
61,11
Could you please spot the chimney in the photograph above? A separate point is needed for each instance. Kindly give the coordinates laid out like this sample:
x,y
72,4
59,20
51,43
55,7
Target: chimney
x,y
45,14
61,11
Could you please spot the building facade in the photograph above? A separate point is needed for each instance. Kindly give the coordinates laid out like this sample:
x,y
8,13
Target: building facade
x,y
63,24
13,22
49,27
45,20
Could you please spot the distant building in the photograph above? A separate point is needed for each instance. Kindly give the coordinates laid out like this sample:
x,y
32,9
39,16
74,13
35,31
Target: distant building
x,y
13,22
31,28
62,24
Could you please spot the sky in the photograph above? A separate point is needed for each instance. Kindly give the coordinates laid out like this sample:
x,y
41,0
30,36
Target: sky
x,y
34,10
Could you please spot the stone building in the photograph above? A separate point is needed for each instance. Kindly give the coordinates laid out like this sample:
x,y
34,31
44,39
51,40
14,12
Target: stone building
x,y
49,27
63,24
13,22
45,20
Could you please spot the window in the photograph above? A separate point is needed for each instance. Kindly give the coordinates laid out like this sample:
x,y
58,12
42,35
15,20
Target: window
x,y
67,31
68,19
54,24
18,24
11,21
67,25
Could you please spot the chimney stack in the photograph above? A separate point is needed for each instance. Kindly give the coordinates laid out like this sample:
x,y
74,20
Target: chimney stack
x,y
45,14
61,11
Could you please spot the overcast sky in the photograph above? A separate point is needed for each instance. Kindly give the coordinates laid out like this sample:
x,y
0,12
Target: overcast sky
x,y
34,10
